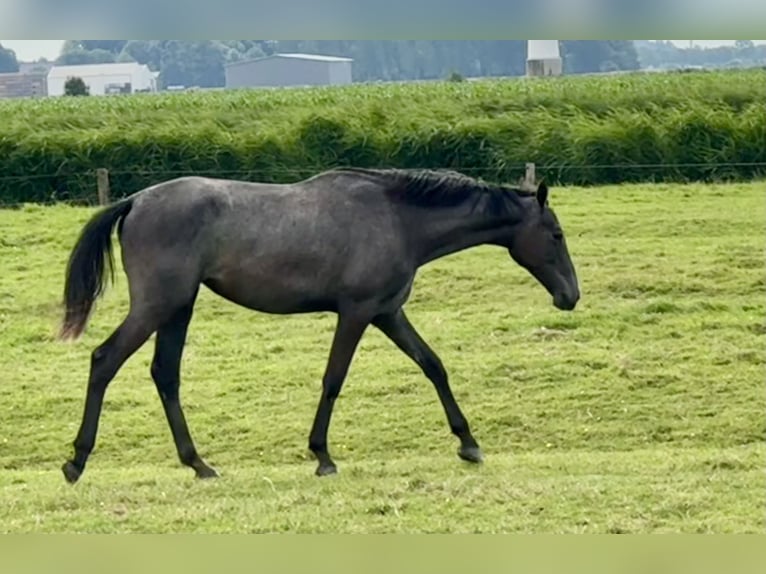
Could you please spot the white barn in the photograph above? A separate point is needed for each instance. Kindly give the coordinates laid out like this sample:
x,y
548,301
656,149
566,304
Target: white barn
x,y
281,70
544,58
102,79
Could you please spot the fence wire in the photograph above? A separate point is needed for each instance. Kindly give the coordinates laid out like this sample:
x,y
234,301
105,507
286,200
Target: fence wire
x,y
466,169
255,173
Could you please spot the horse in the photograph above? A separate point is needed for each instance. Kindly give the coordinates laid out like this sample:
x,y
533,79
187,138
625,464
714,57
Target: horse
x,y
346,241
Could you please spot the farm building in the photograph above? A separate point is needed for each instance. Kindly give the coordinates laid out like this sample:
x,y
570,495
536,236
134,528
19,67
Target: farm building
x,y
122,78
22,85
289,70
543,58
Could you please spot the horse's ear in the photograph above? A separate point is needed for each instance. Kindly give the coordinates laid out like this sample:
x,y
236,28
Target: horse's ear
x,y
542,194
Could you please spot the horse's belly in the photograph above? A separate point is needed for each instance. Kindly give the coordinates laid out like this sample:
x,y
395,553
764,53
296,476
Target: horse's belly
x,y
278,298
299,283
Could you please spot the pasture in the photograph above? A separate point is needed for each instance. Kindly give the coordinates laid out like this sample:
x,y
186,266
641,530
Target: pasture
x,y
641,411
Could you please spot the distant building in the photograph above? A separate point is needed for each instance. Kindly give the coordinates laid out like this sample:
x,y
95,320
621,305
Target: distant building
x,y
23,85
543,58
35,67
103,79
281,70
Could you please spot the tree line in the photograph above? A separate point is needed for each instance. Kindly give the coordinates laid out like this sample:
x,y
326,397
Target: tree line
x,y
666,55
201,63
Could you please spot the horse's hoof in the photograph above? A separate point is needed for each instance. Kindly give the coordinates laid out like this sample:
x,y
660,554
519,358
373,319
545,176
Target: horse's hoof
x,y
326,470
71,472
471,454
206,472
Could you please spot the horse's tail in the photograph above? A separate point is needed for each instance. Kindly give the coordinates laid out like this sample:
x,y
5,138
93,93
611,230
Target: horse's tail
x,y
86,271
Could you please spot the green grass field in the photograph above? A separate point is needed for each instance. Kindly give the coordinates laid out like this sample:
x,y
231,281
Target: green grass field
x,y
584,130
642,411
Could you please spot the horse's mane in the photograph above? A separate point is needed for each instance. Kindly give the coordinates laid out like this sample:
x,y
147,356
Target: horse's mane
x,y
440,188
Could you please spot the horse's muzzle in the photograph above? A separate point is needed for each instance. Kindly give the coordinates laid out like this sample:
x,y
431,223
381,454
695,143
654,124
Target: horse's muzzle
x,y
566,302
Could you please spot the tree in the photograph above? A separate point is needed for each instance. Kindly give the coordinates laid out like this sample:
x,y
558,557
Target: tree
x,y
666,55
587,56
76,86
113,46
188,63
124,57
80,56
8,61
147,52
193,63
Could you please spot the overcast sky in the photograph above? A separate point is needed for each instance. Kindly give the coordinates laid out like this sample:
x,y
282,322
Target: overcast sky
x,y
28,50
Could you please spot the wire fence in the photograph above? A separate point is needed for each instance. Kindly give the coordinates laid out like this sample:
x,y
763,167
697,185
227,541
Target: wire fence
x,y
295,174
289,171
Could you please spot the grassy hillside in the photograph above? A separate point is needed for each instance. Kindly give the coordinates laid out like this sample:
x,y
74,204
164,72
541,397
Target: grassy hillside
x,y
581,130
642,411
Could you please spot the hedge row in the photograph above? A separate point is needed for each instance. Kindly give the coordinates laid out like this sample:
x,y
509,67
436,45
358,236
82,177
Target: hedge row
x,y
578,130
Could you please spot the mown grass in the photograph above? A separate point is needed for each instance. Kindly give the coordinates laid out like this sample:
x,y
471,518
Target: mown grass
x,y
642,411
578,130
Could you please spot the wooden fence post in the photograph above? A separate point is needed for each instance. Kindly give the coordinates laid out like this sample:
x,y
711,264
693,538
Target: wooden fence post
x,y
102,175
529,176
527,182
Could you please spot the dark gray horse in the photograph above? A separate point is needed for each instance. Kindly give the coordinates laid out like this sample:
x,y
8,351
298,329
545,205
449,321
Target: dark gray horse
x,y
348,241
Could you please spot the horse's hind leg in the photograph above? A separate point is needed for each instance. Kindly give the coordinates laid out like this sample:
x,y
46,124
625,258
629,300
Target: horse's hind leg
x,y
347,335
106,360
166,368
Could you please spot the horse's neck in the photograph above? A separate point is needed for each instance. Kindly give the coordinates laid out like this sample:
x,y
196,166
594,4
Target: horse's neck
x,y
439,231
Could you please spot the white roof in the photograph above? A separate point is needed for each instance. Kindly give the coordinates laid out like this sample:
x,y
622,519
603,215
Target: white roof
x,y
94,69
317,57
313,57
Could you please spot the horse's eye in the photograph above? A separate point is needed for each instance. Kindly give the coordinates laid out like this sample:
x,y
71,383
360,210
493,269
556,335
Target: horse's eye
x,y
558,236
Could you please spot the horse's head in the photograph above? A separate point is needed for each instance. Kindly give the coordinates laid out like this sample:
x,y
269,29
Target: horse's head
x,y
539,246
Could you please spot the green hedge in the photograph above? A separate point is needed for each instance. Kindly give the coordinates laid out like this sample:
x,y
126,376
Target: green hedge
x,y
578,130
